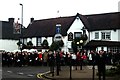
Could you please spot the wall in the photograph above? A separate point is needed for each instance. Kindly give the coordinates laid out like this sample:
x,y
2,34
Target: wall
x,y
49,39
8,45
114,35
34,40
119,35
76,26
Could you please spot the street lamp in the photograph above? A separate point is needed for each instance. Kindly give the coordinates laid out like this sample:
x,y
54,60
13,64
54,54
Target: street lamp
x,y
22,22
58,39
81,41
81,44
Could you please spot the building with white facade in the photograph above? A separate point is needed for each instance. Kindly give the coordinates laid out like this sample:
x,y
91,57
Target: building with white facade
x,y
8,35
102,30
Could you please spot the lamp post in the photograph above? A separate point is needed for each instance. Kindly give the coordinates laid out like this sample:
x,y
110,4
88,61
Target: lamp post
x,y
22,21
21,48
81,42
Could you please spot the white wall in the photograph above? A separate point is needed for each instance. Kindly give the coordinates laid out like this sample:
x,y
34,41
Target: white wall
x,y
34,40
8,45
114,35
76,26
49,39
119,35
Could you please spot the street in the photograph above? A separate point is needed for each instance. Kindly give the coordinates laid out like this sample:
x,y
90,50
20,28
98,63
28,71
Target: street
x,y
23,72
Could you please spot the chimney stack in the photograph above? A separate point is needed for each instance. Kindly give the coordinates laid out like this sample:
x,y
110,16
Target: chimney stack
x,y
31,20
11,20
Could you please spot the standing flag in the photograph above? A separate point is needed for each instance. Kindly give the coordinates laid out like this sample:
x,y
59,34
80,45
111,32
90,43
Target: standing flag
x,y
17,28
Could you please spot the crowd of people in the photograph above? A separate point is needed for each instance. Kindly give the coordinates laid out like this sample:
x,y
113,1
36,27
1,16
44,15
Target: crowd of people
x,y
30,58
46,59
59,58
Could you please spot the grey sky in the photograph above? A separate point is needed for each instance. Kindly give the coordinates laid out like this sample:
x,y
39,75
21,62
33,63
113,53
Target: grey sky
x,y
42,9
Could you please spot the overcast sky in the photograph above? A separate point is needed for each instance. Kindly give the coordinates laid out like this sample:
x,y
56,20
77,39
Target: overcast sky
x,y
42,9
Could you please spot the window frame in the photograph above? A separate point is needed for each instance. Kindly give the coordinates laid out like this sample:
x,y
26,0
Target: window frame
x,y
96,35
77,35
113,49
106,35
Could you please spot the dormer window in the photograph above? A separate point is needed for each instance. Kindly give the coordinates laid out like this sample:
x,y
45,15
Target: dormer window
x,y
106,35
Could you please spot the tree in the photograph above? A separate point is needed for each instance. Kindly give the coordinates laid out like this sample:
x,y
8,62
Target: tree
x,y
45,43
74,42
74,46
19,42
29,43
56,45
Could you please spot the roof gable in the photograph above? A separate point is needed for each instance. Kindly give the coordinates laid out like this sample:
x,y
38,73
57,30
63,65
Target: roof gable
x,y
7,31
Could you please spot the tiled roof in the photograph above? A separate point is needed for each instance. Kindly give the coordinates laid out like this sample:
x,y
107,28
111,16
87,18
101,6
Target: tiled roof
x,y
47,27
106,21
7,31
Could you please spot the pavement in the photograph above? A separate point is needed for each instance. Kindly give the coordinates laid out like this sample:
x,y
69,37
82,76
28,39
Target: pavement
x,y
85,74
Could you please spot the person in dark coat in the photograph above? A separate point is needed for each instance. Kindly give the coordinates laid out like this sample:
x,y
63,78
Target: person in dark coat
x,y
8,59
101,61
51,61
36,59
4,59
11,59
20,59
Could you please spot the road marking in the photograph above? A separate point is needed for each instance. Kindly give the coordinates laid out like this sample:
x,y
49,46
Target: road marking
x,y
39,75
20,73
9,71
30,75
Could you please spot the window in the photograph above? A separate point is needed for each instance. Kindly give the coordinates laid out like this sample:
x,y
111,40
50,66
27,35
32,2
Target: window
x,y
105,35
77,34
96,35
39,40
113,49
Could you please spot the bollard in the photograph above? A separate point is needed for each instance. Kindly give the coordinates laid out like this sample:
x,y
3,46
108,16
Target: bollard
x,y
70,70
93,71
81,65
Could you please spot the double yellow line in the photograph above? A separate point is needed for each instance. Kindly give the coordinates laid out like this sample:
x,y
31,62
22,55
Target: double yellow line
x,y
40,75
